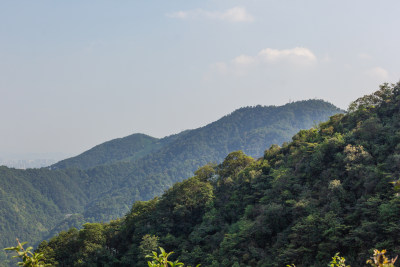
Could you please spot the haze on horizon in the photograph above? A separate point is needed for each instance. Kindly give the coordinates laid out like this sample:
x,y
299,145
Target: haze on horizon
x,y
75,74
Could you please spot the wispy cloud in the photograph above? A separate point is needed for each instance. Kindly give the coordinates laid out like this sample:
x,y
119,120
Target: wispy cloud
x,y
378,73
364,56
235,14
298,57
244,60
297,54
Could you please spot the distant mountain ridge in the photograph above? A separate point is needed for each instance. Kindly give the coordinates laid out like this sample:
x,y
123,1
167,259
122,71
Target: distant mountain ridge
x,y
103,182
138,145
251,129
125,149
108,152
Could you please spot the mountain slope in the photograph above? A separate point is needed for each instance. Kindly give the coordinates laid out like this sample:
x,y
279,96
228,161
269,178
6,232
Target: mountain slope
x,y
329,190
126,149
34,200
65,197
250,129
130,147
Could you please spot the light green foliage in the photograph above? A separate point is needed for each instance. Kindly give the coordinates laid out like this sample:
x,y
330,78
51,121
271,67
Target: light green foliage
x,y
206,172
29,259
380,260
368,102
234,163
161,260
338,261
396,186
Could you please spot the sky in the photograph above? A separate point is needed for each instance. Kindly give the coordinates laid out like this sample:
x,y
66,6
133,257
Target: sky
x,y
74,74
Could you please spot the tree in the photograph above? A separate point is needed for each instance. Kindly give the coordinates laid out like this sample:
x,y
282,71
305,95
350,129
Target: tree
x,y
234,163
148,244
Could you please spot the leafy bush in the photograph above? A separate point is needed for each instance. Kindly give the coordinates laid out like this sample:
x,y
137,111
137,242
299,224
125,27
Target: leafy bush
x,y
28,258
161,260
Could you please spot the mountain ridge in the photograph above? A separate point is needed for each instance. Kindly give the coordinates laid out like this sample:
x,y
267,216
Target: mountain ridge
x,y
105,192
328,190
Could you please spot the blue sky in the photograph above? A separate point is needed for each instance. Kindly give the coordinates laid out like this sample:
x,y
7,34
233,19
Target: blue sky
x,y
74,74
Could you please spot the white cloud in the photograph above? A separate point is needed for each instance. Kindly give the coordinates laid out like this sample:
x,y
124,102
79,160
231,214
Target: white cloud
x,y
285,59
235,14
220,67
298,54
190,14
179,15
244,60
378,73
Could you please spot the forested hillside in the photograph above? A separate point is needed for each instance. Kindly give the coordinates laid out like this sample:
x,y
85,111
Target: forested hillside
x,y
329,190
126,149
250,129
34,201
38,203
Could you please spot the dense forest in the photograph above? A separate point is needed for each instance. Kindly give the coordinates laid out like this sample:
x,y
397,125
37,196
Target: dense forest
x,y
102,183
328,190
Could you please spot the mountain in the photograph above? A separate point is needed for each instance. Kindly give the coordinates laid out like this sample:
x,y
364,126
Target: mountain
x,y
33,201
130,147
102,183
276,124
250,129
126,149
329,190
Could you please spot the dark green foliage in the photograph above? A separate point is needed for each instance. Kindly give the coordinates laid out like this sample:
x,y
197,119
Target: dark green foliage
x,y
37,203
35,200
328,190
